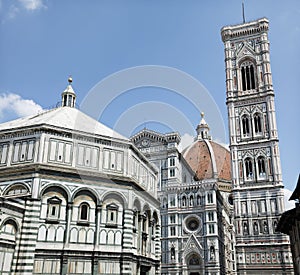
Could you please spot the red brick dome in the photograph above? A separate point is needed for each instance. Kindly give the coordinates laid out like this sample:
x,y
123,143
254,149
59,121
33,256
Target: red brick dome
x,y
208,159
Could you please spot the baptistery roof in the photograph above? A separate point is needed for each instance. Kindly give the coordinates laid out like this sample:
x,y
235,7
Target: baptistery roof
x,y
67,118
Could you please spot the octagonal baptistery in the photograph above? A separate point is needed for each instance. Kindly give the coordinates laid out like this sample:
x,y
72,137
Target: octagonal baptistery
x,y
76,197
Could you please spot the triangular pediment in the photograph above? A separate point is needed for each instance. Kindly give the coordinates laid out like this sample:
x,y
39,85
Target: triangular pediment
x,y
148,138
245,49
193,246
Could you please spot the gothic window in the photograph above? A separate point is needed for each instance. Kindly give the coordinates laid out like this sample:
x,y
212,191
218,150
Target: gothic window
x,y
112,215
84,212
198,200
172,218
257,123
172,161
191,200
245,125
248,168
183,201
211,216
172,172
210,198
172,201
172,231
261,167
211,229
248,76
53,209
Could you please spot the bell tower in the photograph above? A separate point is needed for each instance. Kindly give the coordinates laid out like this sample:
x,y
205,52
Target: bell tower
x,y
256,171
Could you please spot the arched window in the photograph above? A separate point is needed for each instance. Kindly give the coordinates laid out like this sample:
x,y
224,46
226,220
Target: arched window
x,y
257,123
112,215
135,220
248,77
248,168
84,212
210,198
261,165
53,209
198,200
191,201
245,125
183,201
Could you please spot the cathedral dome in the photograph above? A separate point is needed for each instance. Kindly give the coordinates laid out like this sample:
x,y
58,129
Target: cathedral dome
x,y
207,158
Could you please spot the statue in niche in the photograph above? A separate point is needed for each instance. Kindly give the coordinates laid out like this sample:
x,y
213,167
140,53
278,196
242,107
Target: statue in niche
x,y
245,228
212,255
265,227
172,253
255,228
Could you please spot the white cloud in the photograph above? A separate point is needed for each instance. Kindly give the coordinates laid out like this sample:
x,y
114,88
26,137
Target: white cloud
x,y
10,10
288,204
32,4
186,140
17,106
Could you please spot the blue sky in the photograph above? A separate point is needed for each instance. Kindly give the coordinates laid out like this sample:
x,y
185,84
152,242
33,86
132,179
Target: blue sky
x,y
43,42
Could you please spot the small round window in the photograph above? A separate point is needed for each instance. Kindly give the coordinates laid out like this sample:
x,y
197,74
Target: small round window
x,y
192,223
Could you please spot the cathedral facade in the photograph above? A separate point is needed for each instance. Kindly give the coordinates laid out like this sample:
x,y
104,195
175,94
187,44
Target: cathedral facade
x,y
197,235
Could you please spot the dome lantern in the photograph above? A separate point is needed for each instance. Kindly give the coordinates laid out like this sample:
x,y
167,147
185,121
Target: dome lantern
x,y
203,129
68,96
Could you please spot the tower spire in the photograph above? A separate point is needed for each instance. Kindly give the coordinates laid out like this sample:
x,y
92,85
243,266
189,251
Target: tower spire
x,y
68,95
243,11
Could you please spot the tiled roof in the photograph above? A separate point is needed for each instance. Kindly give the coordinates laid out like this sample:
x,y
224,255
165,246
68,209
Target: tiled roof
x,y
209,160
